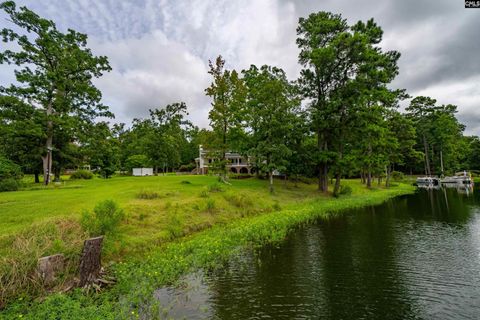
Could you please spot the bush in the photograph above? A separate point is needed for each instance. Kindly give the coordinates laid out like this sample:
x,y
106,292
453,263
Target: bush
x,y
81,174
10,175
9,185
397,175
9,170
187,167
216,187
147,194
137,161
344,191
105,218
238,200
185,182
210,205
276,206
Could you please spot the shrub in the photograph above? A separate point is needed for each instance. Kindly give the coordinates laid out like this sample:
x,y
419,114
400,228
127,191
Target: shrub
x,y
397,175
238,200
147,194
276,206
185,182
187,167
82,174
137,161
9,184
216,187
10,175
174,225
9,170
344,191
104,219
210,205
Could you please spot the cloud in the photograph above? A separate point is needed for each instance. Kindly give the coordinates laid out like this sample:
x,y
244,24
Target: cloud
x,y
149,72
159,49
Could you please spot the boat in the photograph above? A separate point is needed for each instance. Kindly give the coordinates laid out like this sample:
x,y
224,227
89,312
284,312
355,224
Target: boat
x,y
428,182
460,178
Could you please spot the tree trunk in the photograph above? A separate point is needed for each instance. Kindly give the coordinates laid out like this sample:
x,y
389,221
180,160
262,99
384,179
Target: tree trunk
x,y
387,180
369,178
270,178
441,162
57,173
90,261
336,189
323,166
428,172
37,177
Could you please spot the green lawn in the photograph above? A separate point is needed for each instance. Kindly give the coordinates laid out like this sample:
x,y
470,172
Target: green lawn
x,y
43,221
20,209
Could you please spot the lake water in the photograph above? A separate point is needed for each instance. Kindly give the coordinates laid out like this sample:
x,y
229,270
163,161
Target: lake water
x,y
414,257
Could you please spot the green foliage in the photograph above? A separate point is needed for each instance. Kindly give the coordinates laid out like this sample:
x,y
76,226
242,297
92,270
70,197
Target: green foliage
x,y
215,187
175,225
239,200
9,170
272,108
81,174
147,194
104,219
10,184
276,206
55,71
397,175
187,167
210,205
137,161
345,190
10,175
228,93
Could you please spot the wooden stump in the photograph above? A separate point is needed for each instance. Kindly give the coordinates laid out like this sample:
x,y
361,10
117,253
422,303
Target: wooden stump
x,y
90,262
48,267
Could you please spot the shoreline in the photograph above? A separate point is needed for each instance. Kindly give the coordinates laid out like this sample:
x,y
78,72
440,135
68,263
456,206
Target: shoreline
x,y
137,278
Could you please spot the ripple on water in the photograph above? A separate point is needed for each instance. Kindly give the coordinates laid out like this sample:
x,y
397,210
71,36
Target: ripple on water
x,y
412,258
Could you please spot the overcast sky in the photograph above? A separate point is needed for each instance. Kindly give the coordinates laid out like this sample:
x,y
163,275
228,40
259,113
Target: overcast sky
x,y
159,49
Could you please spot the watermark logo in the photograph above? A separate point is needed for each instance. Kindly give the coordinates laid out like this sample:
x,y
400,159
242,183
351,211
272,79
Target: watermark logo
x,y
472,3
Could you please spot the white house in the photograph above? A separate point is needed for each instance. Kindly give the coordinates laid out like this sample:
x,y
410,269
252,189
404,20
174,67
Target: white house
x,y
237,163
139,172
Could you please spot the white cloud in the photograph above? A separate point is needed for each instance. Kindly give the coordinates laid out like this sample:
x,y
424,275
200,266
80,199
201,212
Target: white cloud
x,y
465,94
159,49
150,72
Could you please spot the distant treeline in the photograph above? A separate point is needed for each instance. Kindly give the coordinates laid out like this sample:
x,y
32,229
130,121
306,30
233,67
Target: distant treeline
x,y
339,119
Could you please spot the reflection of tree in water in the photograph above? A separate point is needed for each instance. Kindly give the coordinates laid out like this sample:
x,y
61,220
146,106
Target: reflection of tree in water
x,y
350,267
361,276
444,205
280,282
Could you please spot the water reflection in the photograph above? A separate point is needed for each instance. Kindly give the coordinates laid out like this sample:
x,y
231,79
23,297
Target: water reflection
x,y
415,257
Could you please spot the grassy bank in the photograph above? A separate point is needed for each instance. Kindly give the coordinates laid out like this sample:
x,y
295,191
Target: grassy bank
x,y
243,214
41,221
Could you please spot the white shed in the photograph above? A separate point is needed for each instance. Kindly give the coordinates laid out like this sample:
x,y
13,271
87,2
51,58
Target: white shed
x,y
139,172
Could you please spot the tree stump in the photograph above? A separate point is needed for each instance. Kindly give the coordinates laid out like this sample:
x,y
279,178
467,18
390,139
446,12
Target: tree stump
x,y
48,267
90,262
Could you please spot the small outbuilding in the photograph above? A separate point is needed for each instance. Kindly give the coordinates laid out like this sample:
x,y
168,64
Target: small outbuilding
x,y
141,172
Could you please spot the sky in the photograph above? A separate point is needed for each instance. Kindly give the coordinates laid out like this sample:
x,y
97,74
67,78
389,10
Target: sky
x,y
159,49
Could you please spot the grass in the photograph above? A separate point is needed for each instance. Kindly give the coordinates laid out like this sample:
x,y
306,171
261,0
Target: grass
x,y
160,238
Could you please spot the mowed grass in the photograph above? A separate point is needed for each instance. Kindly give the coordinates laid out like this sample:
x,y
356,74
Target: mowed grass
x,y
19,210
